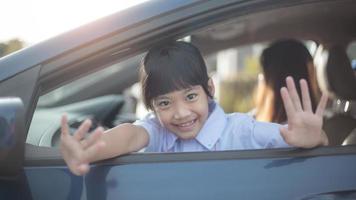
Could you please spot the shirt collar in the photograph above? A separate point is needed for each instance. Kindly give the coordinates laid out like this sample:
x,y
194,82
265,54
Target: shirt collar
x,y
211,130
171,139
213,127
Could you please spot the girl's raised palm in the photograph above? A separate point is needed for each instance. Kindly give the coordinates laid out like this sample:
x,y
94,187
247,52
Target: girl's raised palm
x,y
78,151
304,126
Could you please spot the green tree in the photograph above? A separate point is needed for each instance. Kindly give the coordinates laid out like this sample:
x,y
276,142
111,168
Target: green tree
x,y
11,46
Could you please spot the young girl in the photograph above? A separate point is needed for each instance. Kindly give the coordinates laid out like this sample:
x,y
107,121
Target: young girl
x,y
176,87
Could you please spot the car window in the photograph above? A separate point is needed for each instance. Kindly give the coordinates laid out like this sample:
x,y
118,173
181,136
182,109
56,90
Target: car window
x,y
104,96
234,71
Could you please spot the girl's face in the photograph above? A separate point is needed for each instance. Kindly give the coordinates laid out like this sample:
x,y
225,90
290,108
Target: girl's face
x,y
185,111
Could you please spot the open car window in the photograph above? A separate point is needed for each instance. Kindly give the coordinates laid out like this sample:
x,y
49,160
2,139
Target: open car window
x,y
108,100
111,96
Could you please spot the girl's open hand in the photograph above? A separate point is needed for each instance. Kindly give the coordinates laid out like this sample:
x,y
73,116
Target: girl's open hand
x,y
304,126
78,151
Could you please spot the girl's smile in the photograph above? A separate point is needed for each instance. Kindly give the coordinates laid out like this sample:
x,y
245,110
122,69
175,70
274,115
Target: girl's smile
x,y
186,126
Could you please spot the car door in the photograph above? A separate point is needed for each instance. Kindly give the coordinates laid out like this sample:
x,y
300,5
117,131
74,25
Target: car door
x,y
245,174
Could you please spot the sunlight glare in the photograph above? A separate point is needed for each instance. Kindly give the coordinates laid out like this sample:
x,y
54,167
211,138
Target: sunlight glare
x,y
37,20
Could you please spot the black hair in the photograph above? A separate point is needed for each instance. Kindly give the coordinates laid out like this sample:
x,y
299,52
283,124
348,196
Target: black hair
x,y
283,58
172,66
287,57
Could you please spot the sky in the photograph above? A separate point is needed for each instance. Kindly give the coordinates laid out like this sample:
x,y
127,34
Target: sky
x,y
33,21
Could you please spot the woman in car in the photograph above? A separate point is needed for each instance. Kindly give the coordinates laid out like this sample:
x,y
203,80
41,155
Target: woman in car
x,y
281,59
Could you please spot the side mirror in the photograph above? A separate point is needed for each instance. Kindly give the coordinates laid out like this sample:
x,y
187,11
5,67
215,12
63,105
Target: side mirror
x,y
12,139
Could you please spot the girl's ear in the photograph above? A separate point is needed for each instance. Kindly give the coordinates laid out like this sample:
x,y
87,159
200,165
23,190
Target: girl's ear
x,y
211,87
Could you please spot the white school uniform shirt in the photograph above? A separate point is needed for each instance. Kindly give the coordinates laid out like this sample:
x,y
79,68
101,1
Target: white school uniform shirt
x,y
221,131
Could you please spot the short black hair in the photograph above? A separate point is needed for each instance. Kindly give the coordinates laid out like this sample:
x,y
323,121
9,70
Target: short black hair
x,y
172,66
288,57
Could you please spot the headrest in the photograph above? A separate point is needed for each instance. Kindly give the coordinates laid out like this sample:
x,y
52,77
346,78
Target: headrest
x,y
334,72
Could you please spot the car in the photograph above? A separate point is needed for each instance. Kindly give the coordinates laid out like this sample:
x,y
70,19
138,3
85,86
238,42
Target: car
x,y
92,72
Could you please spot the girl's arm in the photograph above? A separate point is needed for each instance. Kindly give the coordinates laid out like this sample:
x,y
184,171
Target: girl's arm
x,y
304,126
78,152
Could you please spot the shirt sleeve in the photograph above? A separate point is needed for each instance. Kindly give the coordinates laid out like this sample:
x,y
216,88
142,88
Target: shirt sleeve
x,y
251,134
151,124
268,135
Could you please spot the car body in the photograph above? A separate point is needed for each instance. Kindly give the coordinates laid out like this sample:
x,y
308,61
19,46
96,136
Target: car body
x,y
116,43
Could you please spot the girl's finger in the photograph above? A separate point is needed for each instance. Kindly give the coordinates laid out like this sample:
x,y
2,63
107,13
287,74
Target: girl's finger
x,y
82,130
67,142
293,93
83,169
322,104
305,96
93,138
287,103
286,135
92,150
64,125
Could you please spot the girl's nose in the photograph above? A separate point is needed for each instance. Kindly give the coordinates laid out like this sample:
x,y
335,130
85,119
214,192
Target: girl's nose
x,y
181,112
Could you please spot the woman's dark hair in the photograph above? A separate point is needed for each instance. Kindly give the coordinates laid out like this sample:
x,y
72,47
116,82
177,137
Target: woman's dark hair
x,y
172,66
283,58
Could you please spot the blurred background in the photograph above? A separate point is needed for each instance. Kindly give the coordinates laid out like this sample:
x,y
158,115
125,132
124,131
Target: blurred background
x,y
24,23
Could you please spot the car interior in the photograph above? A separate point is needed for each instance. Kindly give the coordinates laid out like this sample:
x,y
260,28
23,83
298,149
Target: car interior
x,y
231,47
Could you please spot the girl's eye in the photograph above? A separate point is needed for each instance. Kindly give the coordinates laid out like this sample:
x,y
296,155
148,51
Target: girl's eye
x,y
163,104
192,96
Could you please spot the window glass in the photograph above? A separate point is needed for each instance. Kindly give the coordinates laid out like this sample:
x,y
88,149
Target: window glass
x,y
234,71
104,96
